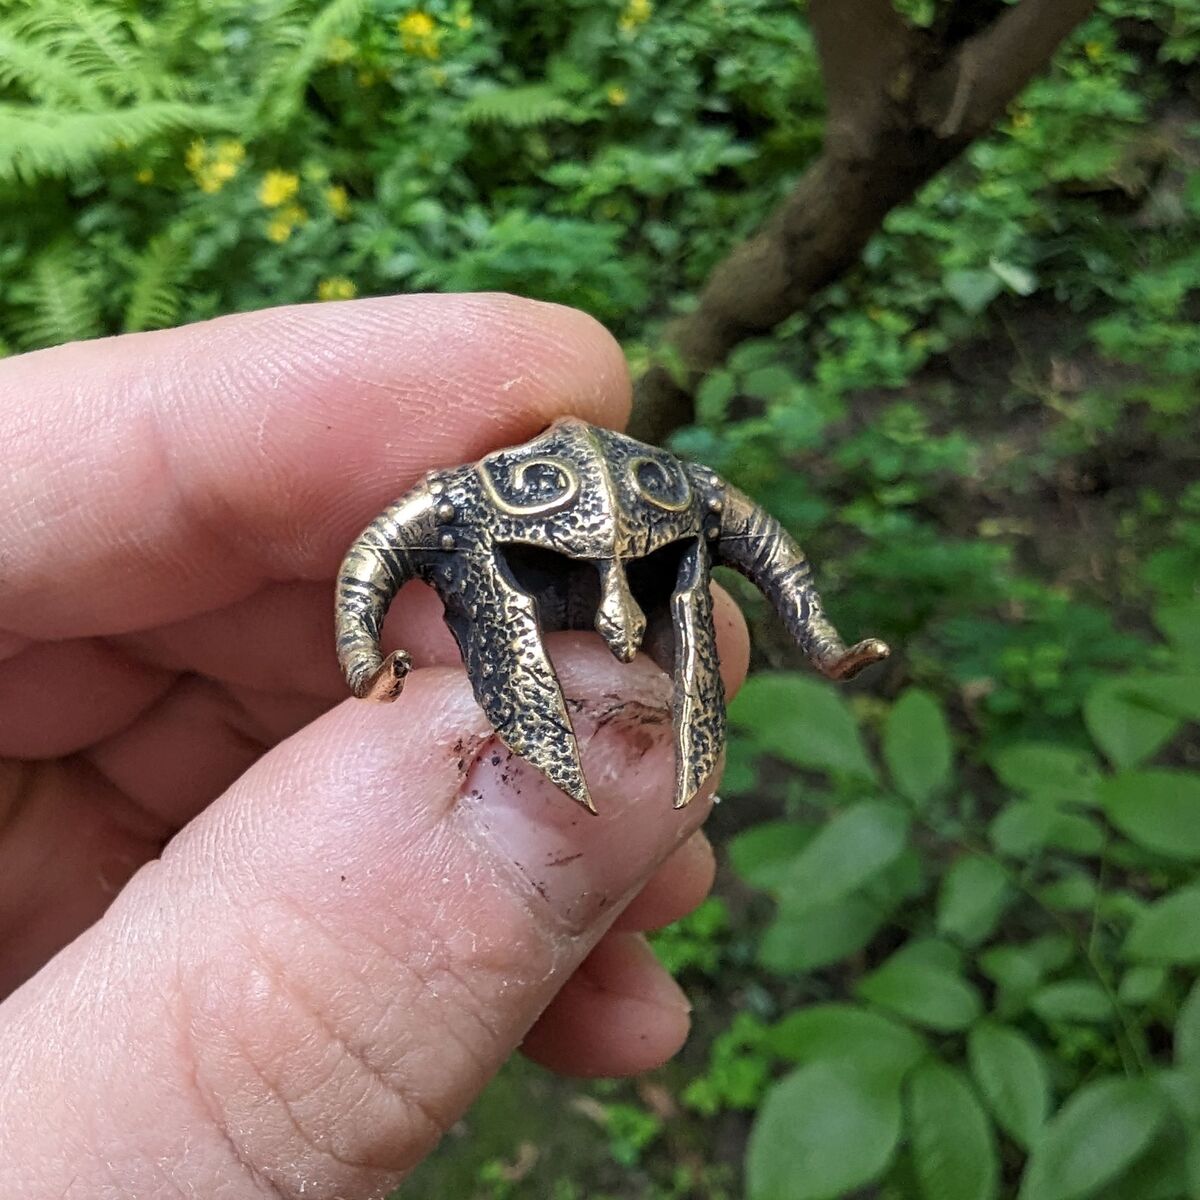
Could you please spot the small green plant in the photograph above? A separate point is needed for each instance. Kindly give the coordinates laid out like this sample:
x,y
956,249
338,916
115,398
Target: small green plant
x,y
1044,987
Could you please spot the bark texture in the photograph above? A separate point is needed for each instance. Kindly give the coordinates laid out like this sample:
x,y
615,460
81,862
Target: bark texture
x,y
903,102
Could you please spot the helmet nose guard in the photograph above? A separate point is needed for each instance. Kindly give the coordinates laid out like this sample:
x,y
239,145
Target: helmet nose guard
x,y
619,618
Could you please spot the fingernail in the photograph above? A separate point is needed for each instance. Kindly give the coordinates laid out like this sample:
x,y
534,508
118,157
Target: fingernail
x,y
588,867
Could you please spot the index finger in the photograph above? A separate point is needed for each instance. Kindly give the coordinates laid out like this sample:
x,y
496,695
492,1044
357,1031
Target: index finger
x,y
153,476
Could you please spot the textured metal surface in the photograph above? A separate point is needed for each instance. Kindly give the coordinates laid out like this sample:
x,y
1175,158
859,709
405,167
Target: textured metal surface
x,y
578,528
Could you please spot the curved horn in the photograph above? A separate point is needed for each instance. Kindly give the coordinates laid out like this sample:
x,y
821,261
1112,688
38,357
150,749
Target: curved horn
x,y
382,559
751,541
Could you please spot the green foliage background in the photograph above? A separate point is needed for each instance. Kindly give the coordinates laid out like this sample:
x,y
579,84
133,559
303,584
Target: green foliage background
x,y
953,954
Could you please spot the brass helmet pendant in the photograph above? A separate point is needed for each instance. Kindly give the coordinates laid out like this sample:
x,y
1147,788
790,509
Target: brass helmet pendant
x,y
580,527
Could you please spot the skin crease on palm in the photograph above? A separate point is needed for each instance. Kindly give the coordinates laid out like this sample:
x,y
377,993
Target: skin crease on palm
x,y
258,939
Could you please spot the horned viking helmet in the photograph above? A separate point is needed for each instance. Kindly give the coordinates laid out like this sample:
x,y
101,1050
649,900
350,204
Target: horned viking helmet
x,y
579,527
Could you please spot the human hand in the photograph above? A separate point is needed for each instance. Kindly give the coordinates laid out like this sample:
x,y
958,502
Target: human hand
x,y
360,910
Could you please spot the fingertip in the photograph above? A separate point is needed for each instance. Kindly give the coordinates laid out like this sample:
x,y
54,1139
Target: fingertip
x,y
601,390
620,1014
678,887
733,640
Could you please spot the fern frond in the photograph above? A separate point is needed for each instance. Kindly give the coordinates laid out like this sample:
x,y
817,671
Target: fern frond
x,y
57,302
156,291
96,39
518,107
283,86
43,75
37,142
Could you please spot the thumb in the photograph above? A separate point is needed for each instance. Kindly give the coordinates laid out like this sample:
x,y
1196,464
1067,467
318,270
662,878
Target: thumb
x,y
320,973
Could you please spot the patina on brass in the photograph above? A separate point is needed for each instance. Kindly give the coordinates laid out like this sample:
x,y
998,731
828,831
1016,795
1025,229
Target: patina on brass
x,y
579,528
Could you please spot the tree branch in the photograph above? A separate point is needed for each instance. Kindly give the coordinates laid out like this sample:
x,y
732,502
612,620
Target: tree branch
x,y
861,45
902,106
975,86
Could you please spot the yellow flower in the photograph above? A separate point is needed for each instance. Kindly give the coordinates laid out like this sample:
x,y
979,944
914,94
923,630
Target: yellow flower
x,y
617,95
416,24
338,200
336,287
195,157
340,50
212,167
278,187
229,151
1094,50
283,224
145,175
419,34
637,12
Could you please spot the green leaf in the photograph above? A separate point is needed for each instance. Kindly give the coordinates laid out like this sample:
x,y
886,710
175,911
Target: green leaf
x,y
1023,827
1072,1000
816,937
1017,279
1128,732
1011,1074
1187,1030
1168,931
975,892
282,84
1047,769
953,1147
1140,985
1160,1172
801,721
1077,834
770,382
156,289
973,290
1100,1130
1181,1087
713,395
40,142
1171,695
1157,808
1074,891
846,1032
1015,971
1180,623
931,952
763,854
518,107
855,845
823,1131
925,994
916,746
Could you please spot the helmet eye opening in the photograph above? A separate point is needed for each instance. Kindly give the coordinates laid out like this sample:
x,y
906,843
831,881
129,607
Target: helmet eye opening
x,y
567,590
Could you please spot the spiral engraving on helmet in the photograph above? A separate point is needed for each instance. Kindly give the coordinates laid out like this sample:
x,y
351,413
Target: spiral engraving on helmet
x,y
533,477
670,480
